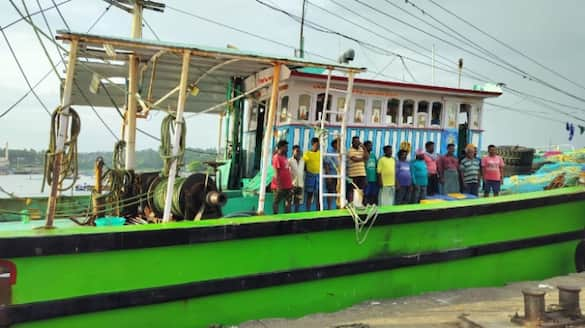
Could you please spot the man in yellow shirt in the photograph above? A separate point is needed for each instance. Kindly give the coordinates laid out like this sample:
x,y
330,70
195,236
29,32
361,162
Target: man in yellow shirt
x,y
313,169
386,177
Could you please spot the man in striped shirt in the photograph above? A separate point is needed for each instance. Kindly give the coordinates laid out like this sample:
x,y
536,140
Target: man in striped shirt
x,y
356,166
469,168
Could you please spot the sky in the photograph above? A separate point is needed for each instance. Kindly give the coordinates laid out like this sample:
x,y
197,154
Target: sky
x,y
549,32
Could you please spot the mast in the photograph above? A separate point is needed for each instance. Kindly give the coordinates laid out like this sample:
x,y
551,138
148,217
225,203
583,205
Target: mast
x,y
302,37
136,8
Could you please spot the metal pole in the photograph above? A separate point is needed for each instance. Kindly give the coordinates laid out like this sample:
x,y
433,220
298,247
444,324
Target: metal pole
x,y
130,136
266,143
62,133
178,121
342,138
302,37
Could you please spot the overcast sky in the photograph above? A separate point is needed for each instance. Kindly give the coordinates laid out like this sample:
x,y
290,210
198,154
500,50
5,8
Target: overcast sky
x,y
548,31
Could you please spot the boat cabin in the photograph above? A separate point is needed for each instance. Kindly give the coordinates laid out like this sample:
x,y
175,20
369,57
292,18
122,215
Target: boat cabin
x,y
384,112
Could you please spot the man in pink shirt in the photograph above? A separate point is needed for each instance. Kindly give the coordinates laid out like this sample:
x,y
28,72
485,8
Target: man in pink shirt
x,y
431,159
492,170
282,185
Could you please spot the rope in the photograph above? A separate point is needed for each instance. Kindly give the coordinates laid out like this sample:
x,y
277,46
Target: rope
x,y
118,155
69,167
167,129
371,212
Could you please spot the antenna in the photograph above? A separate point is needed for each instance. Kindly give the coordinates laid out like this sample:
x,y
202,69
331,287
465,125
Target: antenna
x,y
128,5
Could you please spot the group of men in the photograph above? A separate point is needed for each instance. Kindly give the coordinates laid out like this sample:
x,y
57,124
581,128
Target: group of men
x,y
382,181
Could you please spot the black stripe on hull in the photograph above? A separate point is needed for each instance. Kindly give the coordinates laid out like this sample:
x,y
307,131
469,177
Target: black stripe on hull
x,y
102,302
99,242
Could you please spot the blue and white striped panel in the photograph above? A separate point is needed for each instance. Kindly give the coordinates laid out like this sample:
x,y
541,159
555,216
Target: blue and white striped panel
x,y
378,141
475,138
296,136
306,138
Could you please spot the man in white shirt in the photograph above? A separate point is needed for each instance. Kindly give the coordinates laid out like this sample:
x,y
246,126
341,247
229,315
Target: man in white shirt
x,y
297,168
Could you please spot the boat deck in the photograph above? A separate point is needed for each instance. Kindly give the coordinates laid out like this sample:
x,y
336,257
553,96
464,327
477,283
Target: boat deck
x,y
67,227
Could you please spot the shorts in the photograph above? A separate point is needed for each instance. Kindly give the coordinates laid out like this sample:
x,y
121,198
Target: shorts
x,y
360,182
331,185
283,194
311,182
491,185
298,193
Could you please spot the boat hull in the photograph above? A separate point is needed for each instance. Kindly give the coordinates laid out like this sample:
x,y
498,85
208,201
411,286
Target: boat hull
x,y
230,271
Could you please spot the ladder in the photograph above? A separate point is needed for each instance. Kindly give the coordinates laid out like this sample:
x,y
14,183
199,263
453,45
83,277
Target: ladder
x,y
324,143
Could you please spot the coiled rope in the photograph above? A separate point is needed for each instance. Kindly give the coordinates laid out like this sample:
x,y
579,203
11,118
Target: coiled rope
x,y
167,129
69,165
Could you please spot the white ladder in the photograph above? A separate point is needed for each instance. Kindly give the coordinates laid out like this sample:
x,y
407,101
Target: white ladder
x,y
324,143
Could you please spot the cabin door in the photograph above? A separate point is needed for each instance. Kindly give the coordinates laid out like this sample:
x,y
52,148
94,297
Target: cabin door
x,y
463,119
259,136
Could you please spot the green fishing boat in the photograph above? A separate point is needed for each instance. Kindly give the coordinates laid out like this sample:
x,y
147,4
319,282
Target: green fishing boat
x,y
204,249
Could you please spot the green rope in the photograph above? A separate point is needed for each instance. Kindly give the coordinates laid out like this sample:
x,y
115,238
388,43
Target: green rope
x,y
118,155
69,165
167,129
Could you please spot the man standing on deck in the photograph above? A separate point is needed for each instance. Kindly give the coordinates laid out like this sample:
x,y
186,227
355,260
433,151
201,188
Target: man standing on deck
x,y
331,166
312,171
372,188
492,169
470,171
356,166
282,181
448,166
387,177
297,169
403,179
431,160
420,177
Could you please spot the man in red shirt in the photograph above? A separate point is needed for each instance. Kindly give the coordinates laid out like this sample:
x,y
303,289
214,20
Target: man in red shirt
x,y
431,159
282,185
492,170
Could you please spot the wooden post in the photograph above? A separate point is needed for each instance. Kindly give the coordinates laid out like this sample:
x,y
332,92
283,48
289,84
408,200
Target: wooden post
x,y
61,134
266,143
132,105
178,121
342,138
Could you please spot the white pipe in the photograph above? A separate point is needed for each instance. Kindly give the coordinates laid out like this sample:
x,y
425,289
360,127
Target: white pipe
x,y
178,121
342,138
325,140
266,143
133,89
62,133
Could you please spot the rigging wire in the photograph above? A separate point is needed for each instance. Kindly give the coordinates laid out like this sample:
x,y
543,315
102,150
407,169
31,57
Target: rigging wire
x,y
34,13
150,29
11,107
508,46
531,113
61,15
23,75
514,69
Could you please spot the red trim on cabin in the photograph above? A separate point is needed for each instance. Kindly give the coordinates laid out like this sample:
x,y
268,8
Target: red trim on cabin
x,y
425,87
371,126
11,268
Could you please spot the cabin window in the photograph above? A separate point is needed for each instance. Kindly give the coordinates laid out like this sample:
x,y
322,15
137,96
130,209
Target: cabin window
x,y
340,106
284,116
376,111
475,117
436,111
408,112
304,105
392,111
360,107
452,115
422,114
319,109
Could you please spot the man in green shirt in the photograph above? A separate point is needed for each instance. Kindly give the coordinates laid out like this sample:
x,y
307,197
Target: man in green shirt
x,y
371,192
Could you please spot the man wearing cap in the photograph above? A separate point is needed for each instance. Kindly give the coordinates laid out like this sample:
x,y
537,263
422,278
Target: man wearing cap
x,y
282,185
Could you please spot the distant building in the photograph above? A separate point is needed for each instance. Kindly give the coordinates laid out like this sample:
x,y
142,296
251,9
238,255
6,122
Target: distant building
x,y
4,162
